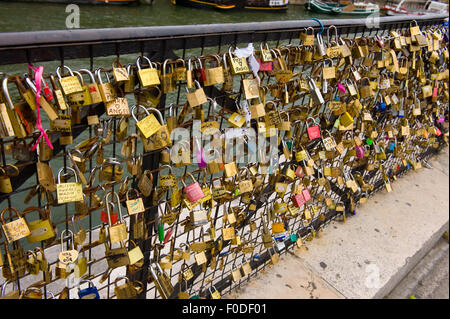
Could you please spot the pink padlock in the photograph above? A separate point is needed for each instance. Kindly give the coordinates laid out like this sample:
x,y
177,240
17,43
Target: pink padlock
x,y
306,194
265,66
298,200
299,172
193,192
313,131
341,87
441,119
438,132
359,151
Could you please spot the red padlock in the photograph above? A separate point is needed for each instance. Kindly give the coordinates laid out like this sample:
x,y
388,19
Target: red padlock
x,y
313,131
193,192
200,72
299,172
298,200
265,66
104,217
306,194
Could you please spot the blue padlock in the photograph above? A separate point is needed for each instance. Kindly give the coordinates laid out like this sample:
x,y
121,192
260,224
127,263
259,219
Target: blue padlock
x,y
381,106
293,238
401,113
89,292
391,146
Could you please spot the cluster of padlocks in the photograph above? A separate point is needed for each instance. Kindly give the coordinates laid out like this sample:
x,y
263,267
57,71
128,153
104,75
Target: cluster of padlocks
x,y
319,124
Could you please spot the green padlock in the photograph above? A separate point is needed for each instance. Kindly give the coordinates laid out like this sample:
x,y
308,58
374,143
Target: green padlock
x,y
161,232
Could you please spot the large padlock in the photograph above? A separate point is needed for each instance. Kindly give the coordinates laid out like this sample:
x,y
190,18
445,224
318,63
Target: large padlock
x,y
193,192
238,65
160,138
69,84
298,200
315,92
117,232
145,183
66,256
116,257
91,292
196,97
149,125
215,165
13,294
313,131
40,229
168,79
149,76
5,181
128,290
68,192
111,170
79,99
15,229
214,75
107,91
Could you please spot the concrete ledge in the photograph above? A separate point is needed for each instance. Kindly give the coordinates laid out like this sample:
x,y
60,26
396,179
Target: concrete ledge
x,y
429,278
367,256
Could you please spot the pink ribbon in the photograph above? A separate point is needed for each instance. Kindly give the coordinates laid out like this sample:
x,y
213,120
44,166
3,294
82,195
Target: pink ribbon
x,y
37,80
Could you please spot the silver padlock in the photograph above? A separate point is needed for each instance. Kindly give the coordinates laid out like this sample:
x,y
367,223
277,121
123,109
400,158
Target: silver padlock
x,y
315,92
320,45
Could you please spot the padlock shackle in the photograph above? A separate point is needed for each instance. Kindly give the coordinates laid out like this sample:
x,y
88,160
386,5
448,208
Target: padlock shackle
x,y
335,33
69,168
164,166
62,237
4,285
28,252
152,109
89,73
90,283
242,169
120,278
311,118
30,83
213,107
41,251
135,192
145,58
133,109
5,90
224,60
184,177
58,71
130,241
78,74
73,223
111,193
165,64
42,213
98,74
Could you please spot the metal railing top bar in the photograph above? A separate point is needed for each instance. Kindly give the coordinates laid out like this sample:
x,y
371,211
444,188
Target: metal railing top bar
x,y
126,40
128,33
